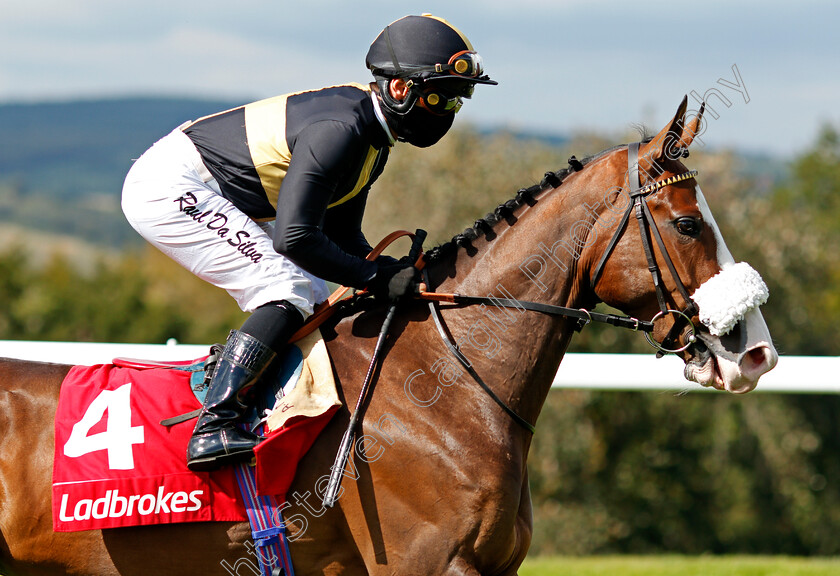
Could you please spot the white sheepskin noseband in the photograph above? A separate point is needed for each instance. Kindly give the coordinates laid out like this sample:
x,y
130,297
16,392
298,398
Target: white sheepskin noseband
x,y
725,298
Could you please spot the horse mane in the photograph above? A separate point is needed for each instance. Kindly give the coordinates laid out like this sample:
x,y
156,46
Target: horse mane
x,y
504,211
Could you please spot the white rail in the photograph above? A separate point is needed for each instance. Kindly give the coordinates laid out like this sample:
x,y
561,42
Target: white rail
x,y
87,353
794,374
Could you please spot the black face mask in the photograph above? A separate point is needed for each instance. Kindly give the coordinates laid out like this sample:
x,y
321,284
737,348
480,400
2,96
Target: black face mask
x,y
419,127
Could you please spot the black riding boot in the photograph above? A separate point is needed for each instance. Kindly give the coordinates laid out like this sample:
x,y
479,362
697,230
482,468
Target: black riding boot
x,y
217,440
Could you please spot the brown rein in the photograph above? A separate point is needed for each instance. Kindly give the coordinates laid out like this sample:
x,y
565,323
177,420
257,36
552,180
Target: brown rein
x,y
582,316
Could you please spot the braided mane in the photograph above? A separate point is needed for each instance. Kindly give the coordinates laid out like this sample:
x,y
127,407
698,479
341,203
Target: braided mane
x,y
505,210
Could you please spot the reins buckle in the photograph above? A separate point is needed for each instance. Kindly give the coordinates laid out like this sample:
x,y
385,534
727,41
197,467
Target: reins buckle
x,y
583,322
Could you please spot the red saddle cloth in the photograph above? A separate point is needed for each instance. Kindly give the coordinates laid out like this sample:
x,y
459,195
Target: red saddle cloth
x,y
116,465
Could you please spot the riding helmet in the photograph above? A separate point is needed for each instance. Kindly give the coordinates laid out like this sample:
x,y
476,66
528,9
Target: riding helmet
x,y
422,49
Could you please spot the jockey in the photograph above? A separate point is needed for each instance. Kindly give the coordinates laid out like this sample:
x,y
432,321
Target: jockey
x,y
266,201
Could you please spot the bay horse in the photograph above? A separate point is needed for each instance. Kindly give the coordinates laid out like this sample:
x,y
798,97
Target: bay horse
x,y
437,482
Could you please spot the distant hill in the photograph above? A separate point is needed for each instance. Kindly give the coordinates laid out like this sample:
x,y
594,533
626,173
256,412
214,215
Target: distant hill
x,y
67,148
62,164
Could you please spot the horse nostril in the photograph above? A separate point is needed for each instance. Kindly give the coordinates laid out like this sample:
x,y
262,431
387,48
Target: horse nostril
x,y
757,355
756,361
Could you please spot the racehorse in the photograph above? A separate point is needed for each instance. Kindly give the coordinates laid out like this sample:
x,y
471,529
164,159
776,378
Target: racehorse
x,y
437,482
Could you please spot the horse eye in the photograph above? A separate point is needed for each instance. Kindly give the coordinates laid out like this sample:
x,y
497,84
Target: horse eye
x,y
689,226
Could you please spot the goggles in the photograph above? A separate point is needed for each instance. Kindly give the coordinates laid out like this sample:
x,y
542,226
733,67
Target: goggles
x,y
465,63
440,103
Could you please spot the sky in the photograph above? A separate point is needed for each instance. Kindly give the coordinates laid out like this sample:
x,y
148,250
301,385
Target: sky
x,y
770,70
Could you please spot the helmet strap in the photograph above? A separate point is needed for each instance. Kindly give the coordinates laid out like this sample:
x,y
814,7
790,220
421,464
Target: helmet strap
x,y
384,82
391,104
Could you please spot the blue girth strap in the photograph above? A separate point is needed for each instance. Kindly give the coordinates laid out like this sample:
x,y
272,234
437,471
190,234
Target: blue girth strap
x,y
270,545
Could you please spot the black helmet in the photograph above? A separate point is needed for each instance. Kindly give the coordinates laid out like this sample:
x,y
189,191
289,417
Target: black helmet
x,y
425,48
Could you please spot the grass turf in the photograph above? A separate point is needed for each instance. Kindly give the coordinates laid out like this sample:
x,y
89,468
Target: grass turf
x,y
680,566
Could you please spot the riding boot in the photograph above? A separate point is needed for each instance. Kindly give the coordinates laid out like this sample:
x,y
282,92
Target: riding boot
x,y
217,440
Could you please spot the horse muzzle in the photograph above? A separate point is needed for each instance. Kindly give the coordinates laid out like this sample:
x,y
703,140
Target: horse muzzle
x,y
733,362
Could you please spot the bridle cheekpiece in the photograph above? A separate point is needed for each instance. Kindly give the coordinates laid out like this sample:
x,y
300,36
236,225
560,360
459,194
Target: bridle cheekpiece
x,y
638,196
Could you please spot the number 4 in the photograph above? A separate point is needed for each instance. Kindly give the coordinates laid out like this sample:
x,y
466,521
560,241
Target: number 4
x,y
119,435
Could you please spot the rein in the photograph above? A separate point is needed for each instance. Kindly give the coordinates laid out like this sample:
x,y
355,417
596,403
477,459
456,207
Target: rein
x,y
456,351
582,316
647,224
639,195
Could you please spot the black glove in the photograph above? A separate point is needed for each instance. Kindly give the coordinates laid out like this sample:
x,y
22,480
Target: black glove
x,y
393,281
384,260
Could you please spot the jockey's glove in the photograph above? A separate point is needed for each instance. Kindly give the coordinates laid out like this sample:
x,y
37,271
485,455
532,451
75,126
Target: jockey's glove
x,y
393,281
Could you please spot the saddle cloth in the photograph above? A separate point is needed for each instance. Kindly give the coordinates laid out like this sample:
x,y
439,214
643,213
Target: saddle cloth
x,y
298,417
115,465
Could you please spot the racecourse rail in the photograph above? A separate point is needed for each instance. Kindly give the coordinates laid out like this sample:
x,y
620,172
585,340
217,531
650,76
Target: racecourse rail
x,y
793,374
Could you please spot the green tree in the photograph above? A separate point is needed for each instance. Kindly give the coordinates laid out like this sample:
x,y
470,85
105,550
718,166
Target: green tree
x,y
139,297
791,236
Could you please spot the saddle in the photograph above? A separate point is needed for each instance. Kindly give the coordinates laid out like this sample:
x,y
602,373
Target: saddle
x,y
116,465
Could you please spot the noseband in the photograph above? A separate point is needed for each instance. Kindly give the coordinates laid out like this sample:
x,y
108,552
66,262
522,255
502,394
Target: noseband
x,y
638,204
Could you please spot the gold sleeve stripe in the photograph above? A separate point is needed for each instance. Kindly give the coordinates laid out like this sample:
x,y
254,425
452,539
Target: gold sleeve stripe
x,y
265,126
265,129
364,176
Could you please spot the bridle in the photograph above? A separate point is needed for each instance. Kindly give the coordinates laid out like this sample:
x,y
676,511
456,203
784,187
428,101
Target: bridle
x,y
580,316
638,204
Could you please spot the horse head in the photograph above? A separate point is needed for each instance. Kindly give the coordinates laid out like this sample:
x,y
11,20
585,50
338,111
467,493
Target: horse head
x,y
676,268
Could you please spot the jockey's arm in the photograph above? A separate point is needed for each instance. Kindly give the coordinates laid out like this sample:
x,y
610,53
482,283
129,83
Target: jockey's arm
x,y
322,158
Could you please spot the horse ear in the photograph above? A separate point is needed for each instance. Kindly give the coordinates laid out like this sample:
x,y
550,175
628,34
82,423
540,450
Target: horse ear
x,y
666,142
692,129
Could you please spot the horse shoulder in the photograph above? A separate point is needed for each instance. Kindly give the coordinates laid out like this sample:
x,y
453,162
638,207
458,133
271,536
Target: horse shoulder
x,y
430,452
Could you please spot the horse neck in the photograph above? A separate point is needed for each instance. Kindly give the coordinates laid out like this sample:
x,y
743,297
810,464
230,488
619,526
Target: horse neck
x,y
537,258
